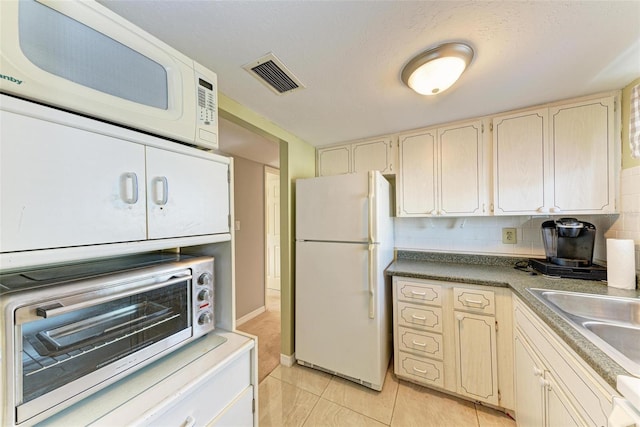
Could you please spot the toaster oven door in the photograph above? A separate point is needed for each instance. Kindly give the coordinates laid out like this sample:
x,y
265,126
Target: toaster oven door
x,y
71,347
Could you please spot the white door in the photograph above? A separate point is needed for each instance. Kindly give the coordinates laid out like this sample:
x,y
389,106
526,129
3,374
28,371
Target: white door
x,y
333,326
62,186
187,195
272,221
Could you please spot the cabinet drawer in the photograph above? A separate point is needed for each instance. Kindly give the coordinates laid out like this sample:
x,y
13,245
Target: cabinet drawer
x,y
421,370
422,343
419,293
474,300
422,317
201,404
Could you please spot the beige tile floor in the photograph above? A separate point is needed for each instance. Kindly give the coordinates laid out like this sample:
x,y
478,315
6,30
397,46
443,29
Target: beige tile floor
x,y
300,396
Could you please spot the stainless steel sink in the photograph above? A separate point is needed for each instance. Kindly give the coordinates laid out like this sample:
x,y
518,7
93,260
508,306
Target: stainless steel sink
x,y
611,323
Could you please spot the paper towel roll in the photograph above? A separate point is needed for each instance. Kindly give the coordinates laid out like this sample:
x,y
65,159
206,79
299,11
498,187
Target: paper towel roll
x,y
621,265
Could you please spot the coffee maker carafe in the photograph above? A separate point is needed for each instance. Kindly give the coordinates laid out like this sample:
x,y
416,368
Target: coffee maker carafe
x,y
569,242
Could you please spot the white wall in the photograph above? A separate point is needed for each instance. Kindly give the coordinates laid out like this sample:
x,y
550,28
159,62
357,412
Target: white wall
x,y
483,235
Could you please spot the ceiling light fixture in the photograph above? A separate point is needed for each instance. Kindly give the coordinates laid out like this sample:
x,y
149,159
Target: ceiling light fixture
x,y
436,69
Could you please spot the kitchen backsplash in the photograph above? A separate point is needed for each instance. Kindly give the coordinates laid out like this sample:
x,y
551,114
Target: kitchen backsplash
x,y
483,235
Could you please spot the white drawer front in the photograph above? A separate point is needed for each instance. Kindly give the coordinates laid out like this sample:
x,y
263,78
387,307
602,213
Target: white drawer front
x,y
426,371
201,405
419,293
423,343
474,300
426,318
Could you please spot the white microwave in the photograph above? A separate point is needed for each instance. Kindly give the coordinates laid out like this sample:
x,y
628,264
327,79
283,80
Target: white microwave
x,y
81,57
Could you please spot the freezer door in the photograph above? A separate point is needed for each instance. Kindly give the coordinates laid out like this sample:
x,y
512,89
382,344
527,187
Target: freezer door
x,y
342,318
337,208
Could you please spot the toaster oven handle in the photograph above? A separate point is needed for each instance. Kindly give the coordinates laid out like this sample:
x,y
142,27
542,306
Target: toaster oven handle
x,y
57,308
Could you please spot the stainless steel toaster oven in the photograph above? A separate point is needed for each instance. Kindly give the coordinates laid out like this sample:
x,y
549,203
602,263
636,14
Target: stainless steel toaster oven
x,y
69,331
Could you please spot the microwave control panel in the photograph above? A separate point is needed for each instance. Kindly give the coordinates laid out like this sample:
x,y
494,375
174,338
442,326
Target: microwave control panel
x,y
206,103
207,111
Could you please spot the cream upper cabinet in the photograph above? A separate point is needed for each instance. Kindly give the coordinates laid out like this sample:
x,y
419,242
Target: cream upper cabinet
x,y
375,154
519,149
334,160
555,160
582,136
442,171
416,181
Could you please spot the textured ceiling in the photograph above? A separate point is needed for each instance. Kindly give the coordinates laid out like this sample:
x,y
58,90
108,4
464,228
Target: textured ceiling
x,y
349,55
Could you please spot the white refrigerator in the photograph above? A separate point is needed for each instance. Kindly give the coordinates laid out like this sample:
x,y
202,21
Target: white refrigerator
x,y
344,241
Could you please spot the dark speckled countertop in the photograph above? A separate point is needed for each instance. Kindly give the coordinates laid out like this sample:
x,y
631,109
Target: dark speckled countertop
x,y
500,271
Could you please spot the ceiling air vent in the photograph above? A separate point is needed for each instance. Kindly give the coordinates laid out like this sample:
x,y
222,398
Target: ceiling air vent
x,y
271,72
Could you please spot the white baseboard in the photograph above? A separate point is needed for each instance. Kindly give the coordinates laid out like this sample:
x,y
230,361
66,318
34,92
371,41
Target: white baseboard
x,y
249,316
287,361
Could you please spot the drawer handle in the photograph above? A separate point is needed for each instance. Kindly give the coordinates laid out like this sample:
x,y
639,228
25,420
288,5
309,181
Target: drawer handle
x,y
419,370
473,302
422,294
421,344
189,422
416,317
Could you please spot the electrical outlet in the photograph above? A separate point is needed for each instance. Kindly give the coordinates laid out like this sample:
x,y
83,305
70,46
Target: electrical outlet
x,y
509,236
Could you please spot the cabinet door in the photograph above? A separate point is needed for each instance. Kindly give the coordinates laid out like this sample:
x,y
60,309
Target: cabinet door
x,y
334,160
476,361
416,195
529,390
373,155
460,187
62,186
519,150
582,138
187,195
560,412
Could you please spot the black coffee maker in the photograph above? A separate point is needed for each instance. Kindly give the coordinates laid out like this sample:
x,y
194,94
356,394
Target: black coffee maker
x,y
568,246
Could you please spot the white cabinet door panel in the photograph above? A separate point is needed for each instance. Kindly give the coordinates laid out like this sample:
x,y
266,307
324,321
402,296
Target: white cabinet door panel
x,y
519,162
530,402
334,161
476,360
461,155
187,195
63,187
373,155
417,183
582,135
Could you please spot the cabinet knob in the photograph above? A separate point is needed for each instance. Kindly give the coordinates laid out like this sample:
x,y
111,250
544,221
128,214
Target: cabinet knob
x,y
556,209
543,209
537,372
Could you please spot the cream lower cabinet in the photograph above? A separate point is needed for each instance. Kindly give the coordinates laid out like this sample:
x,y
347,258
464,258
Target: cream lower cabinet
x,y
446,335
554,387
376,154
556,160
443,171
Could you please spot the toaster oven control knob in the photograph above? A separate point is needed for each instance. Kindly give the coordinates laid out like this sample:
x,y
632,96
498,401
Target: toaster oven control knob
x,y
204,295
205,318
204,279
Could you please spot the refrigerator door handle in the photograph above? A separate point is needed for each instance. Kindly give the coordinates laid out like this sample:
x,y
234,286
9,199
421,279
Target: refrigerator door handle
x,y
371,200
372,279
